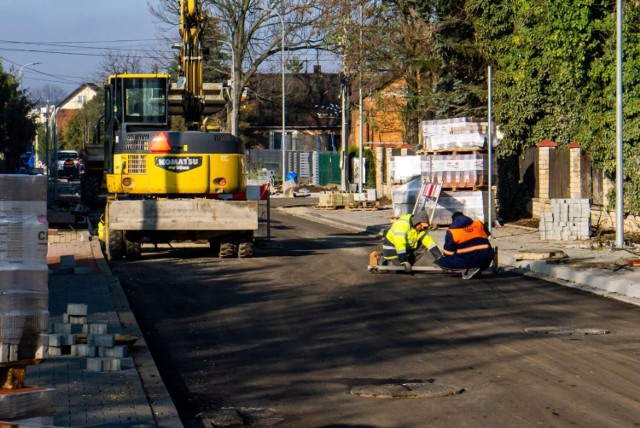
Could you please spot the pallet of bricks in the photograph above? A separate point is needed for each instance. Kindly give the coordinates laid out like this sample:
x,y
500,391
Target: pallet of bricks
x,y
366,200
334,200
456,155
24,298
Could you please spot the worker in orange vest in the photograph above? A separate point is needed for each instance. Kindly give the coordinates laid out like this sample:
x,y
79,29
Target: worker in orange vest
x,y
466,247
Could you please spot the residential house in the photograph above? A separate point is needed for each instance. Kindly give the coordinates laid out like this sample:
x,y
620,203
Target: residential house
x,y
74,101
312,110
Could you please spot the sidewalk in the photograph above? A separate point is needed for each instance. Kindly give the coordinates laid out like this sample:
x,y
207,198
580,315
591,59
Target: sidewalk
x,y
133,396
520,250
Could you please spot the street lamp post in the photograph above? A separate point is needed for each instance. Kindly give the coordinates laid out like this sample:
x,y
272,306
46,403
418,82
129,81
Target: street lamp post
x,y
234,129
19,77
284,98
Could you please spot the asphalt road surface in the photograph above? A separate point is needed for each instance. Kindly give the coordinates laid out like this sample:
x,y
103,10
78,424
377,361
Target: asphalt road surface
x,y
304,336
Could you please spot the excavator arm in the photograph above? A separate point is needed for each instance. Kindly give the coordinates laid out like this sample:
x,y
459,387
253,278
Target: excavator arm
x,y
190,96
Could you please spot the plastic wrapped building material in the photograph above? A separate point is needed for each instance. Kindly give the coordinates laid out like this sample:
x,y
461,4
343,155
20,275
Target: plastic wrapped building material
x,y
473,204
24,294
455,134
404,197
27,403
457,170
403,168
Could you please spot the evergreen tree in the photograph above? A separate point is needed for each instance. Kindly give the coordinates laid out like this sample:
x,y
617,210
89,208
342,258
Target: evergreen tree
x,y
17,121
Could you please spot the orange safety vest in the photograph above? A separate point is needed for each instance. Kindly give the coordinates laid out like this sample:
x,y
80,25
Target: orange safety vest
x,y
466,238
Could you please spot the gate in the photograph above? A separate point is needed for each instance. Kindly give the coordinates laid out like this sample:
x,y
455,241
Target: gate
x,y
559,173
329,168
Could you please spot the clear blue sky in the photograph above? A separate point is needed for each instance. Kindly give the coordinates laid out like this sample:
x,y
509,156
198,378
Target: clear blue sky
x,y
70,37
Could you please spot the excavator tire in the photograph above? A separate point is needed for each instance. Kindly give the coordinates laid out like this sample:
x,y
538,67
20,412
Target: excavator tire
x,y
115,244
245,250
90,190
132,249
227,250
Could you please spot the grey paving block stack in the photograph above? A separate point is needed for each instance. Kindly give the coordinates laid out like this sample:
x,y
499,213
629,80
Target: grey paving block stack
x,y
100,349
567,220
24,295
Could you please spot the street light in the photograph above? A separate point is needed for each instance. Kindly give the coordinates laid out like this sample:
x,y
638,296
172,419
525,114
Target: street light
x,y
234,129
19,77
284,106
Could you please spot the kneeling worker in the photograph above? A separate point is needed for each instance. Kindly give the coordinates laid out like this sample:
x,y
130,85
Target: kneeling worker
x,y
466,246
404,241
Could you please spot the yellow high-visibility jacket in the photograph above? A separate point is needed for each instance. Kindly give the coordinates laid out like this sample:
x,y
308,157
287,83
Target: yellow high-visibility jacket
x,y
404,238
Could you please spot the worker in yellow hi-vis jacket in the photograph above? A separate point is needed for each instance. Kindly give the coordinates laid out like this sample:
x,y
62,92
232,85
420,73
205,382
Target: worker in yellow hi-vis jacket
x,y
405,240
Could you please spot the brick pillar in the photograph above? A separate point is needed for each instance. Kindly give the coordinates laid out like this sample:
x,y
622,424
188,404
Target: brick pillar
x,y
575,171
544,148
379,158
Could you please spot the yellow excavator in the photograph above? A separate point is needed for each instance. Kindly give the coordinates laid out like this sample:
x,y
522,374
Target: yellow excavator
x,y
166,185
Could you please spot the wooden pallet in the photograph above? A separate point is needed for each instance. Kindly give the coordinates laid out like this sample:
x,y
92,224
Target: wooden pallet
x,y
458,150
326,207
363,206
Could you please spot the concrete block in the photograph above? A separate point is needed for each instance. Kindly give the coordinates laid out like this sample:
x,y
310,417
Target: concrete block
x,y
119,351
74,319
56,327
57,351
106,340
95,364
83,350
79,309
96,328
103,364
67,261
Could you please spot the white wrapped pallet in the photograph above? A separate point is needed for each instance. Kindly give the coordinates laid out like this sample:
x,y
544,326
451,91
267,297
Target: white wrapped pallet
x,y
455,141
403,168
35,278
457,170
471,203
24,295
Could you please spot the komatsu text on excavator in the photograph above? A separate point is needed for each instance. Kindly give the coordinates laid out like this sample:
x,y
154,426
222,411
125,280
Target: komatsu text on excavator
x,y
168,185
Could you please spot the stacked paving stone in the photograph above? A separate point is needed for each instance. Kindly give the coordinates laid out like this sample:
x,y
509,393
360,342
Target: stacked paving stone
x,y
456,156
100,349
24,295
568,220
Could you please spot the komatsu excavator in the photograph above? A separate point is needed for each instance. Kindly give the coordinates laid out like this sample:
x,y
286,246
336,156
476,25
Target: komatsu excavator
x,y
168,185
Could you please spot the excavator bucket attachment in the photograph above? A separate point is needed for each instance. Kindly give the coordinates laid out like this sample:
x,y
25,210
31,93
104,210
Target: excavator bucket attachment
x,y
213,99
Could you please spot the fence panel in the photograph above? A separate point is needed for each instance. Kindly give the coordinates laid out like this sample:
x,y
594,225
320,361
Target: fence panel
x,y
559,173
329,168
529,172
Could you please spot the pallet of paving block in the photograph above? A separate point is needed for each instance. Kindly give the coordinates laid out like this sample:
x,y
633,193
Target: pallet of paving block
x,y
362,206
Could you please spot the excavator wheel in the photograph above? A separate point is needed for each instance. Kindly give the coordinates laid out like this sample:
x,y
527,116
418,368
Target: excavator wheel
x,y
114,244
132,249
245,249
227,249
90,190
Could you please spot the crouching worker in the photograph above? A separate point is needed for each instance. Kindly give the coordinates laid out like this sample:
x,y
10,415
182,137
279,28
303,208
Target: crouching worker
x,y
466,247
407,239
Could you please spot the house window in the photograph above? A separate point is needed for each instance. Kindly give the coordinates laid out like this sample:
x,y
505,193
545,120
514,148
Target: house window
x,y
82,99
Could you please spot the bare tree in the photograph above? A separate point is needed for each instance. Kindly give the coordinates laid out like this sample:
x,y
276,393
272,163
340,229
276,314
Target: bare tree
x,y
251,30
48,94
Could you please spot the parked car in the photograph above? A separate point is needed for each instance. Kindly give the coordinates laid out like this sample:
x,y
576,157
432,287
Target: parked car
x,y
68,163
